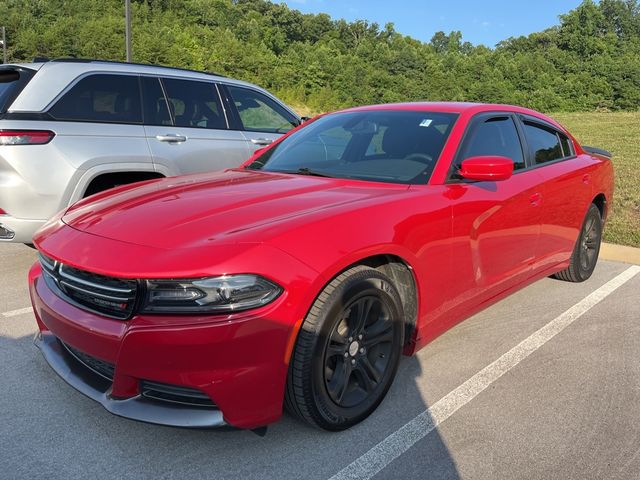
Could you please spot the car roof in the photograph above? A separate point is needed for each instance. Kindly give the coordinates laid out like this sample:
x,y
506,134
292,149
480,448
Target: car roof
x,y
468,108
54,76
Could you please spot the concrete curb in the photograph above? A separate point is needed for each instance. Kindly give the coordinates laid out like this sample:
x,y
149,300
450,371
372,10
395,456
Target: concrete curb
x,y
620,253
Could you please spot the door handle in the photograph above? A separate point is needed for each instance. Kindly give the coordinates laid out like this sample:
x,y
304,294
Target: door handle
x,y
171,138
586,178
261,141
535,199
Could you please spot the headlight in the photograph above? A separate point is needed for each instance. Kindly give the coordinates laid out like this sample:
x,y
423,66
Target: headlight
x,y
229,293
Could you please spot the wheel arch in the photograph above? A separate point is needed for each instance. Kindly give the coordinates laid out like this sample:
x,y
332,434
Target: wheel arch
x,y
600,201
397,269
100,171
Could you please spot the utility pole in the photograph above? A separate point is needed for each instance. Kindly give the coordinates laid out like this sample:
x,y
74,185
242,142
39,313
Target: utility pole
x,y
4,45
127,32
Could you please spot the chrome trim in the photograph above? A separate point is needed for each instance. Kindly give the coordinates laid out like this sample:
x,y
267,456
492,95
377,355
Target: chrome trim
x,y
98,286
96,294
47,262
135,408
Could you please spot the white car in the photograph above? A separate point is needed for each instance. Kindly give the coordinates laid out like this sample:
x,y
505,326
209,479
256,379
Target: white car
x,y
71,128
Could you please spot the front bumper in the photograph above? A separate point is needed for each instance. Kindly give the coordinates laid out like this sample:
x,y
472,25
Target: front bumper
x,y
240,362
136,407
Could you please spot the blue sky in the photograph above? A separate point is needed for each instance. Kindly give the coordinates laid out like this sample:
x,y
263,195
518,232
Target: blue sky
x,y
481,22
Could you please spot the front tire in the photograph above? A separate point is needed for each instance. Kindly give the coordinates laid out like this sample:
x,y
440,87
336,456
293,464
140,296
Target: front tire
x,y
347,352
585,253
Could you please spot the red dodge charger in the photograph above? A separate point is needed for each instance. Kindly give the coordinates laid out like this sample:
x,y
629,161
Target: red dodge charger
x,y
301,278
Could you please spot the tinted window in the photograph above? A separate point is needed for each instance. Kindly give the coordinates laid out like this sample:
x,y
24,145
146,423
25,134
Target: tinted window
x,y
259,113
567,151
378,145
194,104
495,136
11,84
544,144
101,98
156,111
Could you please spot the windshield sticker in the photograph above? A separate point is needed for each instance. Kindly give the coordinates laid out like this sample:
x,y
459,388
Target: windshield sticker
x,y
426,122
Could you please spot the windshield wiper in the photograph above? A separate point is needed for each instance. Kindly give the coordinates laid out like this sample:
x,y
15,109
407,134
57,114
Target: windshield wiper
x,y
308,171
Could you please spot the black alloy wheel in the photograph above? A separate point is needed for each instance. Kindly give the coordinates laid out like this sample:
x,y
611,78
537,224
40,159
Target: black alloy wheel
x,y
585,253
347,351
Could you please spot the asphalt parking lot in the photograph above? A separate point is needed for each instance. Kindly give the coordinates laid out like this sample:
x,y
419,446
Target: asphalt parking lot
x,y
545,384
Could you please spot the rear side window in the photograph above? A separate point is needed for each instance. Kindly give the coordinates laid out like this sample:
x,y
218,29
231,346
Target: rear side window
x,y
12,81
543,143
567,150
259,113
101,98
194,104
495,136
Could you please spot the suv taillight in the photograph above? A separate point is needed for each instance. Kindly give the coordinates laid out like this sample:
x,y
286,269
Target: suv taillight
x,y
25,137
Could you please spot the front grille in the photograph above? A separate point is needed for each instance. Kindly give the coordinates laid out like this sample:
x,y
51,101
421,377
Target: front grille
x,y
102,368
109,296
175,394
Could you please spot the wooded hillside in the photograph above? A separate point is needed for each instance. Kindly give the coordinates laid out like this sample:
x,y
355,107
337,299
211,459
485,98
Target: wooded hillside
x,y
590,61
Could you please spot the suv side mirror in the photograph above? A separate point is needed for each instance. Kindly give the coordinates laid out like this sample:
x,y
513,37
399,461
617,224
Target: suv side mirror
x,y
490,168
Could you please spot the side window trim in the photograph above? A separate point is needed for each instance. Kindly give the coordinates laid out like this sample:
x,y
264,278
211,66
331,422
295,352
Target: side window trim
x,y
166,99
233,117
223,105
473,122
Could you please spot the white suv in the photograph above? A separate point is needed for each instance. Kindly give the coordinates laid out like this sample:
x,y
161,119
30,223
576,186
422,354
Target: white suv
x,y
71,128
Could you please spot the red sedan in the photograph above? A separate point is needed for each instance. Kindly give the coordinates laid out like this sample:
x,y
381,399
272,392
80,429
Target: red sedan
x,y
301,278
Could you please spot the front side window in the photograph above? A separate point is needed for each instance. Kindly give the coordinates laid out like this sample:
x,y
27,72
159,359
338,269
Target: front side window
x,y
543,143
494,136
101,98
377,145
194,104
259,113
156,111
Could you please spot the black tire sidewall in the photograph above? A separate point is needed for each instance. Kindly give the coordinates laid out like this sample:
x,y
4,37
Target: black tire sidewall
x,y
360,284
584,274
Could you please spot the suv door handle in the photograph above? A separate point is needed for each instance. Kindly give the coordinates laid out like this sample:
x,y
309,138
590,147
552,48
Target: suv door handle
x,y
171,138
535,199
261,141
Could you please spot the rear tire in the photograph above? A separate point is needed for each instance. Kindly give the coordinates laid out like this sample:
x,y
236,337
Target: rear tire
x,y
347,352
585,253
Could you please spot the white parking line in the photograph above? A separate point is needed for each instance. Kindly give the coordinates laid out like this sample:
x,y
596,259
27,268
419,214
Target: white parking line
x,y
404,438
14,313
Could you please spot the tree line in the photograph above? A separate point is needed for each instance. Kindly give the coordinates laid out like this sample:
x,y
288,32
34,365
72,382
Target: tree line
x,y
590,61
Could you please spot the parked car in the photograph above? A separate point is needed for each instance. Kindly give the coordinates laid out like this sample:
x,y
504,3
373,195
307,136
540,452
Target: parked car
x,y
69,129
301,277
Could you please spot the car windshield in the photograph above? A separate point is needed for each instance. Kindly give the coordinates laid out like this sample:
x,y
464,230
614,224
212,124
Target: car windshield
x,y
376,145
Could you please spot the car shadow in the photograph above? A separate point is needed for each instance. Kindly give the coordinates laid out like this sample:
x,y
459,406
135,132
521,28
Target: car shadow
x,y
51,430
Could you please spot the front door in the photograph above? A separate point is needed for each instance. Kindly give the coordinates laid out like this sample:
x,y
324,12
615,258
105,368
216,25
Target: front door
x,y
496,224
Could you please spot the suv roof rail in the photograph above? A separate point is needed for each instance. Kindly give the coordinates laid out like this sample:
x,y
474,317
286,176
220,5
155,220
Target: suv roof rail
x,y
96,60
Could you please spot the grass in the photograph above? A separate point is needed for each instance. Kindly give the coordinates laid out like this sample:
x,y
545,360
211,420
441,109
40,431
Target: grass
x,y
618,132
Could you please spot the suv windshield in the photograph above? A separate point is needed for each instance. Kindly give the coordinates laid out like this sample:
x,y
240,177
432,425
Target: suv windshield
x,y
377,145
12,81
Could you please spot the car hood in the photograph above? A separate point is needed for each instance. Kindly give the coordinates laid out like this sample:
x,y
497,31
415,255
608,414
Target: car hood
x,y
228,207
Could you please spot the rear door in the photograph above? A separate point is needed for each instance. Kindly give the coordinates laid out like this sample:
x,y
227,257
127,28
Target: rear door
x,y
567,190
495,224
260,118
186,127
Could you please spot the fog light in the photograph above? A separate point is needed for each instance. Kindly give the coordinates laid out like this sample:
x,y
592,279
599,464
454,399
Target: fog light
x,y
6,233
